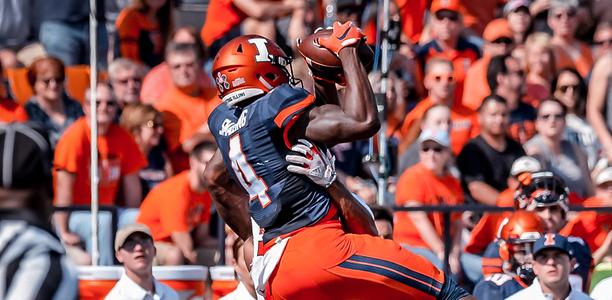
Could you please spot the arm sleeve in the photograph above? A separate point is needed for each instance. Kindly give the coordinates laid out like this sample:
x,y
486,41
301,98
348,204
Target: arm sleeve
x,y
287,103
67,154
408,189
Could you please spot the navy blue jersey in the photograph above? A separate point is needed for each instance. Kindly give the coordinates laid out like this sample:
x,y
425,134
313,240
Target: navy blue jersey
x,y
253,141
578,248
497,286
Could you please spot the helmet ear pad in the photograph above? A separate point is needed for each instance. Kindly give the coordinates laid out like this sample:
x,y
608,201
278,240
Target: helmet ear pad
x,y
504,252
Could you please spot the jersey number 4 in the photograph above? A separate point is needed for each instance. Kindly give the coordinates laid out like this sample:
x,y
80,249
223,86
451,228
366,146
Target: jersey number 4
x,y
252,183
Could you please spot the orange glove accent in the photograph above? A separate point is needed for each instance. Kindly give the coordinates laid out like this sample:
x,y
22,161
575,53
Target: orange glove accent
x,y
343,35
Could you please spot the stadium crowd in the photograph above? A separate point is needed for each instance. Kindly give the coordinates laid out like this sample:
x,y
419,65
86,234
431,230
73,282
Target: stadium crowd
x,y
496,102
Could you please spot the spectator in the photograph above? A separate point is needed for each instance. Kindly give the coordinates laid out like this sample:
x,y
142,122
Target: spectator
x,y
552,263
437,117
569,52
383,217
50,106
599,103
478,14
33,262
15,30
602,290
119,163
548,196
186,105
446,26
9,110
570,89
592,226
440,84
134,249
180,227
540,67
224,18
64,31
126,77
506,79
519,19
245,289
158,80
602,40
143,29
429,183
145,125
485,161
497,41
563,158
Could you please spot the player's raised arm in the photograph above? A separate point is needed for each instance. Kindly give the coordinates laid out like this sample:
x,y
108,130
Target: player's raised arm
x,y
230,200
356,118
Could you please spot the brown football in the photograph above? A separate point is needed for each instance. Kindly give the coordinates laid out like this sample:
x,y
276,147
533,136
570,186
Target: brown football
x,y
318,56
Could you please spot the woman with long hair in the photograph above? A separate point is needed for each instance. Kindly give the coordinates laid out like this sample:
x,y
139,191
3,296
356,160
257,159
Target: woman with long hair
x,y
540,67
143,30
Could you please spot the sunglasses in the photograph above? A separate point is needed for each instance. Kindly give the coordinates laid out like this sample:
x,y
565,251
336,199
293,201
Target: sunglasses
x,y
549,116
569,14
56,80
131,243
433,148
153,124
565,88
447,14
126,80
503,40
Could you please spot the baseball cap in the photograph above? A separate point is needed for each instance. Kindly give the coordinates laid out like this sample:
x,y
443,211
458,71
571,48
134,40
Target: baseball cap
x,y
604,176
568,4
513,5
525,164
126,231
552,241
496,29
25,161
438,5
439,136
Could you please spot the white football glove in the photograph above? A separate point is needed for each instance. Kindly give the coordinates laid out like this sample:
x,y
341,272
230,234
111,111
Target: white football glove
x,y
314,164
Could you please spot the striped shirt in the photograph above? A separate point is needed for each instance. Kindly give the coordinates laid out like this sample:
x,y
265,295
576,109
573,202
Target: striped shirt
x,y
33,262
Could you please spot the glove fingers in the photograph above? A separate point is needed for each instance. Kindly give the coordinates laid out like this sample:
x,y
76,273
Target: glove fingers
x,y
296,159
301,149
297,170
306,143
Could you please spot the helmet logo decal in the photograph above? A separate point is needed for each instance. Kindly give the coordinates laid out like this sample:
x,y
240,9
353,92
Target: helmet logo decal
x,y
222,82
262,50
550,239
238,82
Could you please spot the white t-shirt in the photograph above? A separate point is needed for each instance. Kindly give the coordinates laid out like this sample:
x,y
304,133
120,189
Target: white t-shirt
x,y
534,292
603,290
240,293
127,289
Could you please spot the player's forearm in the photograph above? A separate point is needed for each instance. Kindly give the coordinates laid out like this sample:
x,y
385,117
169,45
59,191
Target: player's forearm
x,y
355,216
358,100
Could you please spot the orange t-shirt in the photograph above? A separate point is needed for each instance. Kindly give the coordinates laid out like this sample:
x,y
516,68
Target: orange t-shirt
x,y
136,30
221,16
485,231
173,207
12,112
423,186
464,123
591,226
582,63
119,156
183,116
475,86
412,15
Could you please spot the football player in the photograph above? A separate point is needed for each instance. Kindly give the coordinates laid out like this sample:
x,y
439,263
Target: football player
x,y
309,253
516,237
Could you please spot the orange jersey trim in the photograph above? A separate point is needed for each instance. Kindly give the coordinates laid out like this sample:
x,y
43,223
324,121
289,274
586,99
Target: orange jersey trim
x,y
288,111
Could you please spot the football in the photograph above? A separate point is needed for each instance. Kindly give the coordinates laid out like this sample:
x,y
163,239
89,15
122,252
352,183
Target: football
x,y
321,58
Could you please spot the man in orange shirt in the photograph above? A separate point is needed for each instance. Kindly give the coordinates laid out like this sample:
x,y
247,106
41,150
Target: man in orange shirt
x,y
119,160
595,228
569,51
180,226
9,110
446,26
497,41
440,83
186,105
429,183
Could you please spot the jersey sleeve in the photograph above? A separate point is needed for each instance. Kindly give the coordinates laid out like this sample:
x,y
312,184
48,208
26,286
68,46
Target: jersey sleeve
x,y
286,103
